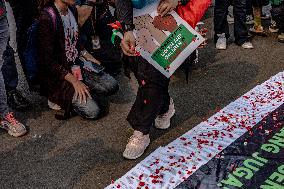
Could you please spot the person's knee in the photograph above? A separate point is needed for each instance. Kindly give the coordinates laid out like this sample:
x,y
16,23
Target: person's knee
x,y
91,113
110,85
88,110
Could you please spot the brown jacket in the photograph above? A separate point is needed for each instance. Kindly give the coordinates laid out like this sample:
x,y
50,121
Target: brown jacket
x,y
53,65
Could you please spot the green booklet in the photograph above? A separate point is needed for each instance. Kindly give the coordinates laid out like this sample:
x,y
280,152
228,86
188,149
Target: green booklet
x,y
165,42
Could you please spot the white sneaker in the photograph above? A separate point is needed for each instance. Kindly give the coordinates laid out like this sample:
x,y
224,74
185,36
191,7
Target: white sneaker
x,y
164,121
221,42
230,16
247,45
249,20
53,106
136,146
230,19
273,27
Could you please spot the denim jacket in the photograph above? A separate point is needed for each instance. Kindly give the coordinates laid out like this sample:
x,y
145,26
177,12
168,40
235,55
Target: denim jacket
x,y
2,9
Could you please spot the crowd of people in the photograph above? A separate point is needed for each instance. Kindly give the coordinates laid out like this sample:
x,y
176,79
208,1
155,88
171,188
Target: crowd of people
x,y
67,56
247,16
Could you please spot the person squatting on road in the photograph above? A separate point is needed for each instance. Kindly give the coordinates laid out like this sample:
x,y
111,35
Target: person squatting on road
x,y
7,119
64,81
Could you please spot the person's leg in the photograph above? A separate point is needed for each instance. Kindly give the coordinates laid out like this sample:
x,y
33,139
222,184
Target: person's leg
x,y
7,120
240,27
152,100
3,42
100,84
101,87
152,97
9,69
257,11
88,110
220,18
10,74
249,14
278,16
249,7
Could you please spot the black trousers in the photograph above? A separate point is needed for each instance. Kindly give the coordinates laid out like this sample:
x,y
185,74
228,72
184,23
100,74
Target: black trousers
x,y
249,7
221,24
277,13
152,97
9,69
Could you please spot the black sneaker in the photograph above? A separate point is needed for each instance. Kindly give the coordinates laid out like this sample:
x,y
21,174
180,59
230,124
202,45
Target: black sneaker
x,y
16,100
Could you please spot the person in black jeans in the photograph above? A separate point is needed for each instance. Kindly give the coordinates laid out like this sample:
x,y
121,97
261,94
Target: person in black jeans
x,y
153,104
221,26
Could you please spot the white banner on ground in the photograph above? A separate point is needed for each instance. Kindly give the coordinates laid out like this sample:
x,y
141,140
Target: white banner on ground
x,y
169,166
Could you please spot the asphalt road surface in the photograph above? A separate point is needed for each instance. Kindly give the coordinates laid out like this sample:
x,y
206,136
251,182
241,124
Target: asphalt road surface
x,y
81,153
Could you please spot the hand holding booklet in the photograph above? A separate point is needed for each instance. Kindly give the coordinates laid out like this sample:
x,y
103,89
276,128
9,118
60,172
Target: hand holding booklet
x,y
165,42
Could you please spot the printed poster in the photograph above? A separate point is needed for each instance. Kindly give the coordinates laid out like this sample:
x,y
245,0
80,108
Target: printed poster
x,y
165,42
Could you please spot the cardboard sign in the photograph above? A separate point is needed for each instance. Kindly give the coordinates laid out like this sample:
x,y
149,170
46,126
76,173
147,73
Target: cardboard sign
x,y
165,42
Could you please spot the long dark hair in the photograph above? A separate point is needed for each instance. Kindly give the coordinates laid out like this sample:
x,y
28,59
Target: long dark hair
x,y
44,3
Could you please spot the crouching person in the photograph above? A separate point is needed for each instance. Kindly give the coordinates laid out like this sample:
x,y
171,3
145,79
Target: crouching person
x,y
65,82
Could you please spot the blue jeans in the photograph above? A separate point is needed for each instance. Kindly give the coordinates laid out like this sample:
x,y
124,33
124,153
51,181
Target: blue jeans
x,y
101,86
4,34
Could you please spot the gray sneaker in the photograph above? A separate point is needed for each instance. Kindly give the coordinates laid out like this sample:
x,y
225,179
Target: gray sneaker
x,y
164,121
230,19
13,126
247,45
136,146
249,20
221,43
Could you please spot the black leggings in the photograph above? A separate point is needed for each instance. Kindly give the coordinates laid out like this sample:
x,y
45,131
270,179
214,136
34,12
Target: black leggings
x,y
152,97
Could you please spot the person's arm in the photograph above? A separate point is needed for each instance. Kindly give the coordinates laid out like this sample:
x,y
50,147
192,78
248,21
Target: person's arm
x,y
81,90
89,57
124,11
166,6
84,12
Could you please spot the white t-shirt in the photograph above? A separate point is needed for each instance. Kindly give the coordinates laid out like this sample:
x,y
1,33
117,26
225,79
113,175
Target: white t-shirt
x,y
71,35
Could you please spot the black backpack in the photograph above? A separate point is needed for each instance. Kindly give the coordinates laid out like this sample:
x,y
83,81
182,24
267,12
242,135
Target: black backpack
x,y
30,52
